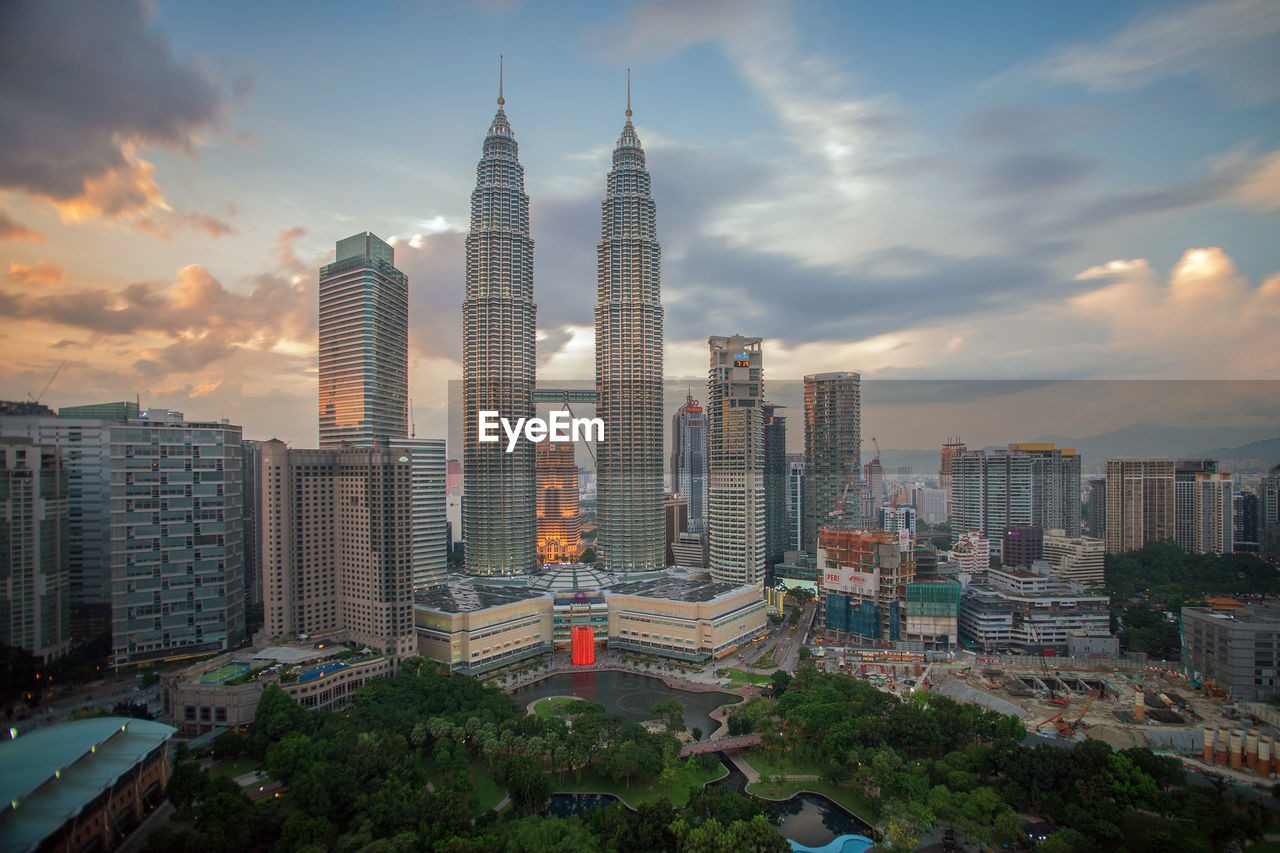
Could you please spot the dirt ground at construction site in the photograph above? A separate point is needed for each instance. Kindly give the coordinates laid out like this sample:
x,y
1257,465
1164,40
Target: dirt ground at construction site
x,y
1101,704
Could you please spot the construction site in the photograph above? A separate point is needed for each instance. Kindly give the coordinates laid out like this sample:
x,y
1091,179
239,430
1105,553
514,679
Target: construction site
x,y
1153,707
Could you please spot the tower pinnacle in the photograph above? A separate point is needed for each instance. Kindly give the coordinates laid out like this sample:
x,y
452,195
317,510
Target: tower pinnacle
x,y
628,93
502,100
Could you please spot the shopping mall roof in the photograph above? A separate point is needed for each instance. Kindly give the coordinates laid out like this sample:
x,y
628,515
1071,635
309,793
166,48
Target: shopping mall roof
x,y
674,589
51,774
466,595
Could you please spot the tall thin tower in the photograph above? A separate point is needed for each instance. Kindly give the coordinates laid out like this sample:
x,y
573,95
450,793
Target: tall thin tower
x,y
499,519
629,365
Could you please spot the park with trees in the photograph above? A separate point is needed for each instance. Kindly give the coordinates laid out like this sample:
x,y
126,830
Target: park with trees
x,y
425,760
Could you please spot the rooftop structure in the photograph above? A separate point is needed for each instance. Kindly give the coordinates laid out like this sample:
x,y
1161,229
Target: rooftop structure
x,y
64,786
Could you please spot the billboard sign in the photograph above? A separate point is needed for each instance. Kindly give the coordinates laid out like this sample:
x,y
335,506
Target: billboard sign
x,y
853,581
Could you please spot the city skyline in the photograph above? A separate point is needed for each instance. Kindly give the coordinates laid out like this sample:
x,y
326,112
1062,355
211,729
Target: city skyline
x,y
1036,198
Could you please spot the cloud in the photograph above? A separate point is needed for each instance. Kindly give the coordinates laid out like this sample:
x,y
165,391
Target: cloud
x,y
202,320
82,90
1207,320
41,272
10,230
1210,38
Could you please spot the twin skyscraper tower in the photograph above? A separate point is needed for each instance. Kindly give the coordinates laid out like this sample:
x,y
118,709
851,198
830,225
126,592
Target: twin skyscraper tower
x,y
499,519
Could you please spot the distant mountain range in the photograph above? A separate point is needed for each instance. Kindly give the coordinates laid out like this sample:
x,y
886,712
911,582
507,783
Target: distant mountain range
x,y
1236,448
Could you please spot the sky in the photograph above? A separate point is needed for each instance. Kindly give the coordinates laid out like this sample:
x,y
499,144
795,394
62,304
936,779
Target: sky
x,y
930,191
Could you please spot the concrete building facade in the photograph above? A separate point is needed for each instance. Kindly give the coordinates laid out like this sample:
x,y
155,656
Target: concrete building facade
x,y
35,590
337,545
177,538
735,441
1140,503
1080,559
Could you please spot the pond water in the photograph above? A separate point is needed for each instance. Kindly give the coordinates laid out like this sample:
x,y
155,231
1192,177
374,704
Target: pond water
x,y
627,694
815,821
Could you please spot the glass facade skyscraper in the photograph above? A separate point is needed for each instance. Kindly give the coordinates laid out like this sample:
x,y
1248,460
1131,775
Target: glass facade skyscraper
x,y
629,367
689,460
364,345
499,320
832,452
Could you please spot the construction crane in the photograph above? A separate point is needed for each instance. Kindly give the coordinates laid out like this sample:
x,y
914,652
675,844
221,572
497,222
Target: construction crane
x,y
36,398
1074,724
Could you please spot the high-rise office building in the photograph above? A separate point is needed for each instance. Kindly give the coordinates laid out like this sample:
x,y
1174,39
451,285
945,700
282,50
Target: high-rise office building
x,y
832,451
35,593
629,366
949,450
675,515
735,442
689,460
775,483
85,446
252,469
337,546
1097,507
176,538
430,537
795,502
499,320
932,504
364,345
1140,503
559,522
873,480
1244,516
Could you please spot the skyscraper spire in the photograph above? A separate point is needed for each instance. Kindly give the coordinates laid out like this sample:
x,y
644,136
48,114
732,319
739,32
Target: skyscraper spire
x,y
629,366
502,100
499,321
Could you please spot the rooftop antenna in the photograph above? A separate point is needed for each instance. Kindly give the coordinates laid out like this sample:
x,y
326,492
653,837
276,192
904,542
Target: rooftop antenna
x,y
628,93
413,430
501,100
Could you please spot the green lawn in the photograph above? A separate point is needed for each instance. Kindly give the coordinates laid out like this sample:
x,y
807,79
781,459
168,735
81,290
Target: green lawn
x,y
551,707
736,674
780,765
850,799
235,768
652,791
486,792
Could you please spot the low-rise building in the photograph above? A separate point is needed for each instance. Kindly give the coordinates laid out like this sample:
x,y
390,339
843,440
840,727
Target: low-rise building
x,y
223,692
1238,650
1079,559
475,625
82,785
1029,611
